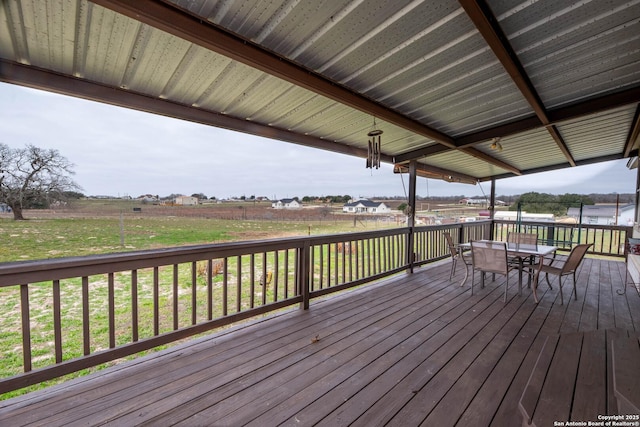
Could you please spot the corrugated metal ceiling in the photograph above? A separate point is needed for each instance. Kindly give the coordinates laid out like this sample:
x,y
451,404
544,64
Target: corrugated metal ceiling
x,y
558,82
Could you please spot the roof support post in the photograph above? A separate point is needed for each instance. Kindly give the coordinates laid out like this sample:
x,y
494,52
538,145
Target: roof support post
x,y
303,275
411,214
492,208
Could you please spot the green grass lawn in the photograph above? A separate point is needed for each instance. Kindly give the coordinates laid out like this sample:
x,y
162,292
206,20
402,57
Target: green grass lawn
x,y
48,236
60,237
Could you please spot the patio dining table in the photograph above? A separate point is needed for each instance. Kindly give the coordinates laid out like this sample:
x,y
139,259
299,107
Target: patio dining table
x,y
521,252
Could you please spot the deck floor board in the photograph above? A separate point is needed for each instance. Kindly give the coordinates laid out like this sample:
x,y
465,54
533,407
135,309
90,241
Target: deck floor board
x,y
410,350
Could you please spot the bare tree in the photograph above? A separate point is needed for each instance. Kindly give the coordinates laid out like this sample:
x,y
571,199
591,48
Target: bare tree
x,y
30,175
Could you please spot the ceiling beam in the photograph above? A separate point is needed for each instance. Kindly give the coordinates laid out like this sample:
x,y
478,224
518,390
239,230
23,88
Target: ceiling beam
x,y
428,171
436,149
487,24
557,115
183,24
421,152
634,134
556,167
24,75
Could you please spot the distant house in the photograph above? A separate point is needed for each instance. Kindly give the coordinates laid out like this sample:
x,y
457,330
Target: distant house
x,y
286,204
186,200
365,206
474,202
604,214
479,202
513,216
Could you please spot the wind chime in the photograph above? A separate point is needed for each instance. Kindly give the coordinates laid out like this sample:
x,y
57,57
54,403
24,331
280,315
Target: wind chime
x,y
373,152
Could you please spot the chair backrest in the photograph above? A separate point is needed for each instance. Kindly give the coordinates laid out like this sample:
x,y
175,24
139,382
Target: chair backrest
x,y
575,257
489,256
528,241
452,246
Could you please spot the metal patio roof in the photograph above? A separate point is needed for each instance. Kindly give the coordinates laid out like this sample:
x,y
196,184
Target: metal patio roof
x,y
556,82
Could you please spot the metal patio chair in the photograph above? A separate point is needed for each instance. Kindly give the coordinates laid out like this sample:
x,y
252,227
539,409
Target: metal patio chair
x,y
456,254
569,266
491,257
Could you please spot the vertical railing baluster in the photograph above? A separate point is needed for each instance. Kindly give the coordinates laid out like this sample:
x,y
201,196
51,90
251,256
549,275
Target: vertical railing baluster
x,y
252,279
175,298
156,301
368,273
26,328
321,278
335,264
225,283
57,323
112,309
329,265
381,254
385,253
264,278
297,272
312,268
134,305
194,292
210,289
360,259
86,339
601,240
352,246
377,259
239,284
286,273
274,277
345,248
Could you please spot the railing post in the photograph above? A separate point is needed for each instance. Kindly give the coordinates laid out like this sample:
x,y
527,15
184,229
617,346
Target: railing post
x,y
492,209
551,235
26,328
410,249
579,224
303,273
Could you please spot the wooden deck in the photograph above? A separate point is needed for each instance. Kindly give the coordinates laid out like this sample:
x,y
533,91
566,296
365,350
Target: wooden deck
x,y
412,350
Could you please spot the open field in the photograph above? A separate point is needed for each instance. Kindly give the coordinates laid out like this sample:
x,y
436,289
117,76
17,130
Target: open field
x,y
98,227
94,227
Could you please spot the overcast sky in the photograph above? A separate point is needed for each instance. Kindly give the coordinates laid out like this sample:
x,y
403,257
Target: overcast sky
x,y
117,151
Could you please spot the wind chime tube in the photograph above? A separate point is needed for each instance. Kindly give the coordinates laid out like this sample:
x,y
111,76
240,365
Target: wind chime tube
x,y
374,149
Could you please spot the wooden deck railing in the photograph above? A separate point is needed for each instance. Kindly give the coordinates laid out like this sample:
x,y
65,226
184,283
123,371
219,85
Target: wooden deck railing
x,y
606,239
79,312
